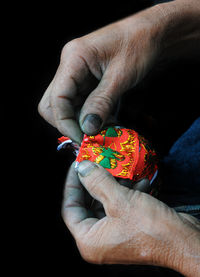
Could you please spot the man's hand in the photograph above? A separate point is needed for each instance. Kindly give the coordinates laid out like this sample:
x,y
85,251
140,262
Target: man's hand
x,y
96,69
135,228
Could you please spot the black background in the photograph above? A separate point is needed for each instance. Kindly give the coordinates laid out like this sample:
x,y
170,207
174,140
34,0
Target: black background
x,y
168,95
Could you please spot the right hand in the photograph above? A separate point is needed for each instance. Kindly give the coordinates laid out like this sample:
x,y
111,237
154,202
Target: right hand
x,y
131,227
95,70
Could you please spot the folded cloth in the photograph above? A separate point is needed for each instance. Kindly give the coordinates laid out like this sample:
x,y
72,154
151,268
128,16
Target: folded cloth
x,y
122,152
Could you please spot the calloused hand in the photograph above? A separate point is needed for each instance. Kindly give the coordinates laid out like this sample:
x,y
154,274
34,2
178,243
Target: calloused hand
x,y
95,70
134,228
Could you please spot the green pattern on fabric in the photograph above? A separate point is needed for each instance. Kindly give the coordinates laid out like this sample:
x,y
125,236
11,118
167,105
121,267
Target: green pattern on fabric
x,y
105,163
108,154
111,132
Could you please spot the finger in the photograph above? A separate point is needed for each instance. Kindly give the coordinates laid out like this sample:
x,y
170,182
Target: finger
x,y
142,185
101,102
71,76
44,107
74,212
56,106
62,95
99,182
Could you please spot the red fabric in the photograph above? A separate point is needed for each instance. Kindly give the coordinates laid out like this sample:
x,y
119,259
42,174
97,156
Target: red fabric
x,y
62,139
123,152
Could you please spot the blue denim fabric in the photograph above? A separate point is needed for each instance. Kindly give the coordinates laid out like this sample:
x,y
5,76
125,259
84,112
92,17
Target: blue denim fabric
x,y
190,209
181,186
161,1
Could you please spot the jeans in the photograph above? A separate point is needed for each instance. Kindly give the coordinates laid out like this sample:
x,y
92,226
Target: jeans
x,y
181,173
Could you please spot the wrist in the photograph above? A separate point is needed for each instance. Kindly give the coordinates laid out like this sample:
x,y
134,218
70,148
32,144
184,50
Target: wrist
x,y
180,248
180,32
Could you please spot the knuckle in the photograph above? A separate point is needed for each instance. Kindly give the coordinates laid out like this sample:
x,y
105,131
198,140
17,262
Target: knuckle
x,y
94,185
71,47
136,196
103,103
42,108
98,179
135,200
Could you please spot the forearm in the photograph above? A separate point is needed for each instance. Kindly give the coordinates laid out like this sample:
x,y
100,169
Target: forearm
x,y
173,28
180,28
181,251
189,263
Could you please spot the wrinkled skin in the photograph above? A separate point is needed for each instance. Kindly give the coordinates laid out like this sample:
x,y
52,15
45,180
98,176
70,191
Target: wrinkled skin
x,y
132,228
94,71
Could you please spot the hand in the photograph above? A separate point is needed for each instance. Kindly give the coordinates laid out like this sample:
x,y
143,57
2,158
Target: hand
x,y
135,229
95,70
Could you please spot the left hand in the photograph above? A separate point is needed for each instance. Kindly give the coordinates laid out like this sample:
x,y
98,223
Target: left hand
x,y
136,227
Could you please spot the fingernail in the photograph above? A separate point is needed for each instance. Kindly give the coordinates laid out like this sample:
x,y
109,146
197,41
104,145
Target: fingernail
x,y
91,124
85,168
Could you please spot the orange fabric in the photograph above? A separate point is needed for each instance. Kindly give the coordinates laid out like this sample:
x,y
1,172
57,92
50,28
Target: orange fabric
x,y
122,152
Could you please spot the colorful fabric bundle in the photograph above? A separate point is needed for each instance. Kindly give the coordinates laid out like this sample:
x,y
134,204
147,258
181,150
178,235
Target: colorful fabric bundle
x,y
123,152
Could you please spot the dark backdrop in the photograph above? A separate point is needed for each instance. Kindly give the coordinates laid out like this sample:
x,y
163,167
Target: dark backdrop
x,y
168,104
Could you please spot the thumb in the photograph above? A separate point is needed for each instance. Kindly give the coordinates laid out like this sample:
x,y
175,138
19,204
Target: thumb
x,y
101,102
99,182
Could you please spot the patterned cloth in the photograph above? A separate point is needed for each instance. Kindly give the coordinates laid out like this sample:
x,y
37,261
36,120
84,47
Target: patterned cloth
x,y
122,152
